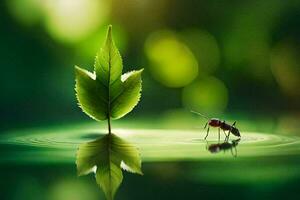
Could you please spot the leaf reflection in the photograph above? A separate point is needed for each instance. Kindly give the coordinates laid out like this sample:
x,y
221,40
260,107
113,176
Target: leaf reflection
x,y
106,157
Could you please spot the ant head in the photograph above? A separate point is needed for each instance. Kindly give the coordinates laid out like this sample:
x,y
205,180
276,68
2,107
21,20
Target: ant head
x,y
235,132
214,122
236,142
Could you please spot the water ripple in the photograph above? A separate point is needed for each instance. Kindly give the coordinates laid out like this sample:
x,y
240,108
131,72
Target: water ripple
x,y
155,144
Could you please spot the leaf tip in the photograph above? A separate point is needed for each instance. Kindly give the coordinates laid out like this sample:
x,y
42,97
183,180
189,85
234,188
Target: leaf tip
x,y
141,70
109,32
140,172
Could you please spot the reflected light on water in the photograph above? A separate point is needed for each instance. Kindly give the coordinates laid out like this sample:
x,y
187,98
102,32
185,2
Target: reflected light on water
x,y
66,189
28,188
155,145
265,170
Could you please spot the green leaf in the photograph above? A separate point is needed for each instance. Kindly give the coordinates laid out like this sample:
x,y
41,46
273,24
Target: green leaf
x,y
129,96
106,93
92,96
102,95
106,157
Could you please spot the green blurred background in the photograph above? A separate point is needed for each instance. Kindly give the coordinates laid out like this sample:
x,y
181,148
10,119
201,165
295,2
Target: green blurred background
x,y
237,60
234,57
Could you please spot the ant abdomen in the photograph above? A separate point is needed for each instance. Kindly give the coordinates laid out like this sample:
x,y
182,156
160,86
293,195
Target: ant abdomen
x,y
235,132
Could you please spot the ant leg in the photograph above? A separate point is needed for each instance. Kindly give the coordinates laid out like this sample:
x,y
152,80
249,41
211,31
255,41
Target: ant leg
x,y
205,125
225,136
206,133
219,135
235,152
228,135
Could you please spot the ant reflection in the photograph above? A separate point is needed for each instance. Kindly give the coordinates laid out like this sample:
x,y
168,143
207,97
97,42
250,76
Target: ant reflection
x,y
225,146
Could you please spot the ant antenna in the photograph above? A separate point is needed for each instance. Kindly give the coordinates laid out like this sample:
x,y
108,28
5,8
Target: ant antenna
x,y
199,114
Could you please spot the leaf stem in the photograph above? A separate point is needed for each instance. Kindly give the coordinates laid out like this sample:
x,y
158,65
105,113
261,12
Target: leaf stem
x,y
109,37
109,125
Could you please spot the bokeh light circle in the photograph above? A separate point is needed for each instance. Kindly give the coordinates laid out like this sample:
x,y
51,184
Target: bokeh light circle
x,y
67,21
205,48
171,61
208,95
72,20
87,48
27,12
286,68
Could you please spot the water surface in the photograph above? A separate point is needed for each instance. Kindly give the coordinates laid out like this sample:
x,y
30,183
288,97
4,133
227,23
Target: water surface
x,y
174,160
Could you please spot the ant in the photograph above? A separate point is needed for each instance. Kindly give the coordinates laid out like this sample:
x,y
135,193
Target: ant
x,y
221,125
216,148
